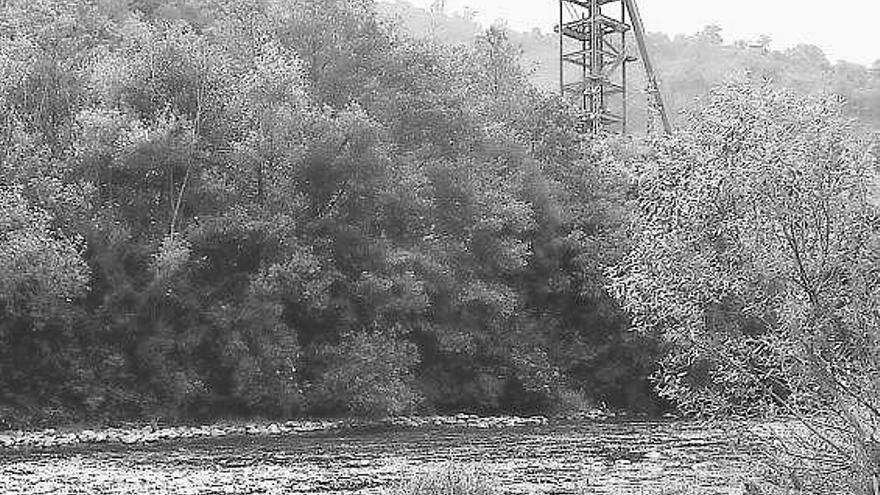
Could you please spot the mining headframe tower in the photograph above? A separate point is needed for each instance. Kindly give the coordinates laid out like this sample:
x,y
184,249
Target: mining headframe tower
x,y
593,62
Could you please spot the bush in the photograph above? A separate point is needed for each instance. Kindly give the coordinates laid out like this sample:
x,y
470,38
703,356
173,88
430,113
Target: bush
x,y
367,374
446,480
571,402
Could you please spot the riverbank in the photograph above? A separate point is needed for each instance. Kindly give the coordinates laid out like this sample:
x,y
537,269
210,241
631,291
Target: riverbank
x,y
143,434
602,457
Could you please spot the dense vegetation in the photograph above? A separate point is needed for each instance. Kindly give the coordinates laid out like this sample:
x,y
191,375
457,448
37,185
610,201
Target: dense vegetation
x,y
293,207
284,208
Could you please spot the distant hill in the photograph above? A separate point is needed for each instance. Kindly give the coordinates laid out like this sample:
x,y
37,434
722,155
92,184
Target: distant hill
x,y
688,66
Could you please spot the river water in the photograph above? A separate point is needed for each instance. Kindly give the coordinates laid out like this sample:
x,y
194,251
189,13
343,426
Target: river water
x,y
619,458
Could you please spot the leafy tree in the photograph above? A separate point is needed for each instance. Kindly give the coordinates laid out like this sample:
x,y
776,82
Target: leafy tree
x,y
755,260
241,203
43,275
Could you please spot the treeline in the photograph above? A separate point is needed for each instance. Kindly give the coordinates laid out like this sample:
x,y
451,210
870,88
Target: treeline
x,y
282,208
688,65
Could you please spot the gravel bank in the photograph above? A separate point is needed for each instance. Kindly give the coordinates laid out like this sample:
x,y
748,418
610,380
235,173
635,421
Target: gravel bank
x,y
50,438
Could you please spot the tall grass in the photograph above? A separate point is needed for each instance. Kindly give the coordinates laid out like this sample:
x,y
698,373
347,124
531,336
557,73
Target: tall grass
x,y
452,479
446,480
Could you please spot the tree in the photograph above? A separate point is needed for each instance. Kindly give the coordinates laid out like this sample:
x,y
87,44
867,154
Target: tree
x,y
42,273
711,34
755,260
251,198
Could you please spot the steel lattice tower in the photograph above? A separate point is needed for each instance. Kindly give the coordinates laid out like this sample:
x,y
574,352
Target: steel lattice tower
x,y
592,41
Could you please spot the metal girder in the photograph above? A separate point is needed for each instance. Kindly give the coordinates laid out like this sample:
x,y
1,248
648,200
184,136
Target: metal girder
x,y
581,29
586,88
586,3
653,85
592,40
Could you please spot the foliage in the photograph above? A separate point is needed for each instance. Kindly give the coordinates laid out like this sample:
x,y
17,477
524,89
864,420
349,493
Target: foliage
x,y
39,270
41,274
219,207
755,260
369,374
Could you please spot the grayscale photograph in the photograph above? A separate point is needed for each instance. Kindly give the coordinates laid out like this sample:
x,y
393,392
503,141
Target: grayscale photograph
x,y
439,247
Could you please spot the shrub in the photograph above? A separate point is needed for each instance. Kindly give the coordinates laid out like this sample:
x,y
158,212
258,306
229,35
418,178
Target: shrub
x,y
368,374
568,402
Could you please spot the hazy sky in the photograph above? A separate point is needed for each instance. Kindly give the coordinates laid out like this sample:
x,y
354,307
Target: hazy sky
x,y
843,29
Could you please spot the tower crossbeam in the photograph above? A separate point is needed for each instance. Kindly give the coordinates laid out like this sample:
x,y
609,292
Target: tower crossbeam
x,y
593,61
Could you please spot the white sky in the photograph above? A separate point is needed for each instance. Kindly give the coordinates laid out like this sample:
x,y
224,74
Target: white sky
x,y
843,29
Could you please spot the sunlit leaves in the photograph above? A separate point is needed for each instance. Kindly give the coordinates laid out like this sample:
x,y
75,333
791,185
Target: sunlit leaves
x,y
755,246
759,208
173,254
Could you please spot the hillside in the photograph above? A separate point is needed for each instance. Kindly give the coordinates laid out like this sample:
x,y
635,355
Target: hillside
x,y
688,65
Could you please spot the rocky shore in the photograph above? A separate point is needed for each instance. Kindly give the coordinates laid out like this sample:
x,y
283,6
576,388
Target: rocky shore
x,y
466,420
51,437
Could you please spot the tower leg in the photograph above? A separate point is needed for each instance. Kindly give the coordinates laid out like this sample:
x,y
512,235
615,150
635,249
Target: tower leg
x,y
597,44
